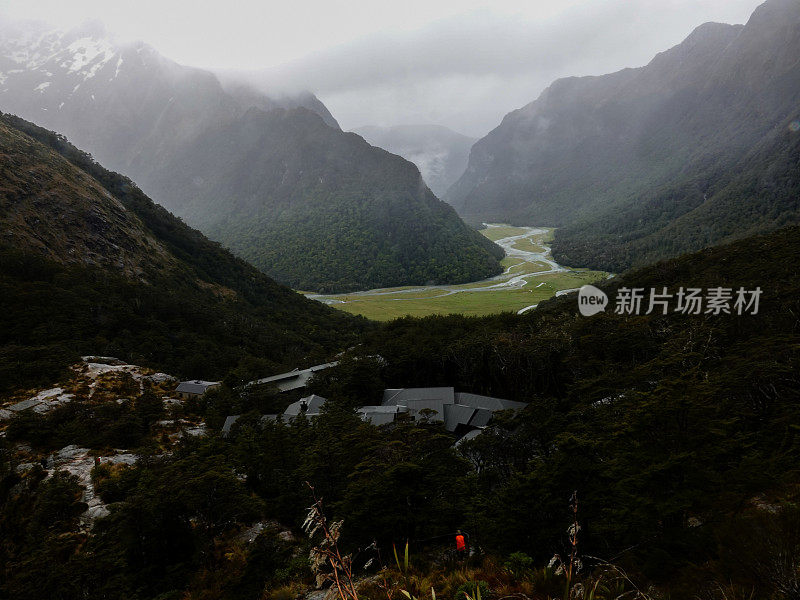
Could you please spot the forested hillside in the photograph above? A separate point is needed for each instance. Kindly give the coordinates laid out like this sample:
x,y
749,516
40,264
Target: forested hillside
x,y
271,177
759,193
696,148
653,451
678,431
673,428
323,210
90,265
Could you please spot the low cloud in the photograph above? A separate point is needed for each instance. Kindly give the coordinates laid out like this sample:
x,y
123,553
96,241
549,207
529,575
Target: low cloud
x,y
467,71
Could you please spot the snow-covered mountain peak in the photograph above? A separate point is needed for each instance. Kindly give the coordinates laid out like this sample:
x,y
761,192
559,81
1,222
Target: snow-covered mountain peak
x,y
81,52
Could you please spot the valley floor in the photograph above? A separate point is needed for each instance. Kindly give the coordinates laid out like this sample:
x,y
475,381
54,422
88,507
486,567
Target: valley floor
x,y
531,275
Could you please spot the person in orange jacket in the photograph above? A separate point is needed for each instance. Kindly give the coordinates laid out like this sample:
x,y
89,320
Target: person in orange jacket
x,y
461,545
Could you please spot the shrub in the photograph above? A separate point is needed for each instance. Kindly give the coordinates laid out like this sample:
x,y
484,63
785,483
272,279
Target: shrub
x,y
285,592
518,565
470,588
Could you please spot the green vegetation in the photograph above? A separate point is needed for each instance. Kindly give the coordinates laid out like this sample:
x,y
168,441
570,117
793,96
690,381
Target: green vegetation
x,y
431,302
674,428
344,248
529,246
468,299
476,590
757,194
91,425
504,231
132,282
322,210
679,431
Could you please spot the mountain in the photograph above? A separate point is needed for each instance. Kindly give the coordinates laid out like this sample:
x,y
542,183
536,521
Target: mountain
x,y
440,153
90,265
698,147
124,102
321,209
266,164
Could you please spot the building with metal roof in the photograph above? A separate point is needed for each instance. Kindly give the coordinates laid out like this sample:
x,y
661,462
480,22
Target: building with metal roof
x,y
443,395
380,415
460,413
487,402
229,421
292,380
195,388
308,406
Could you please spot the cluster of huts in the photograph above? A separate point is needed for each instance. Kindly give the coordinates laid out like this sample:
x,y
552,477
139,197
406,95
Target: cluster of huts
x,y
463,414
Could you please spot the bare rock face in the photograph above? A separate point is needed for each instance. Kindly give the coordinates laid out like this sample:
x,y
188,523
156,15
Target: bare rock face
x,y
77,462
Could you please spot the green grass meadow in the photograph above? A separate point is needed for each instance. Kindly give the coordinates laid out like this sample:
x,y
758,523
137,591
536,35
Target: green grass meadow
x,y
429,301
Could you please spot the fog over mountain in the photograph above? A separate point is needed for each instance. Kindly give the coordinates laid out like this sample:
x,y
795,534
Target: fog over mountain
x,y
127,103
461,64
90,237
270,176
698,147
440,153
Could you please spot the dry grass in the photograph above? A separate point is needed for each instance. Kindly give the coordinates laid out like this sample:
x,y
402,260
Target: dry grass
x,y
284,592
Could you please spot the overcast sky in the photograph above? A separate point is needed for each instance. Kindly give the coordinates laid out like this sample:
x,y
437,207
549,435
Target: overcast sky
x,y
459,63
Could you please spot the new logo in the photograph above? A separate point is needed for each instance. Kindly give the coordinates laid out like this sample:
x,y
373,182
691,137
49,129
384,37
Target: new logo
x,y
591,300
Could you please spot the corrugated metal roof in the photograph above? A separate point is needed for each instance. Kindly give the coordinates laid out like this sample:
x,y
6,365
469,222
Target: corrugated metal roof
x,y
478,401
381,409
380,415
196,386
481,417
415,407
279,377
456,410
311,403
229,421
389,394
444,395
323,366
457,414
378,418
295,379
295,383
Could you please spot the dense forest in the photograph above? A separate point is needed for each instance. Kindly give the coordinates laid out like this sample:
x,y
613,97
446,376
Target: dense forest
x,y
712,206
322,210
81,274
678,431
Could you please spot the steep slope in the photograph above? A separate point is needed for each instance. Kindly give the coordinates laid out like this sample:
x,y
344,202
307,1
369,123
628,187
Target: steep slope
x,y
704,129
153,119
127,104
89,265
440,153
323,210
